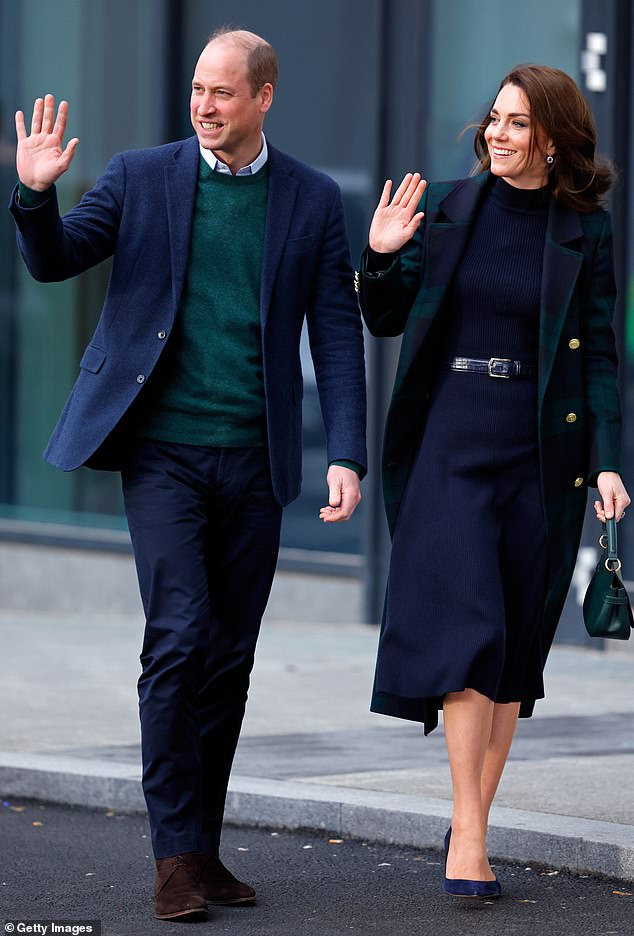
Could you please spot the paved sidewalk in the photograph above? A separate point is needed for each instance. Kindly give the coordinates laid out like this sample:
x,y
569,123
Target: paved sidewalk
x,y
312,755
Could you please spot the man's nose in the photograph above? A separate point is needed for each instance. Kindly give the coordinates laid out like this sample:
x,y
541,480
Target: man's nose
x,y
207,105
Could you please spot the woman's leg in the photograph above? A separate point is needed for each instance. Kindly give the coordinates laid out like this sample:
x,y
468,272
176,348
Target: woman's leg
x,y
502,731
468,723
479,734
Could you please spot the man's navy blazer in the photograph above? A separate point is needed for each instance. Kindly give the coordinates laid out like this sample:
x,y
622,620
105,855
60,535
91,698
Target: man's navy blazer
x,y
141,212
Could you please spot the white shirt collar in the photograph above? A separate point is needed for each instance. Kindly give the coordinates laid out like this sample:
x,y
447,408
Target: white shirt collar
x,y
218,166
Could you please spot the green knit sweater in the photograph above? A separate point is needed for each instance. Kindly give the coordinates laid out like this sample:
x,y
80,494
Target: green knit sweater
x,y
208,387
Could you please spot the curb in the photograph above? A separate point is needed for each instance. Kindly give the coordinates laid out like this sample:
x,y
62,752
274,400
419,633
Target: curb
x,y
584,846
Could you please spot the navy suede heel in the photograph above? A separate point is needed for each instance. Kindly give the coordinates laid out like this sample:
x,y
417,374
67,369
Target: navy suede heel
x,y
464,888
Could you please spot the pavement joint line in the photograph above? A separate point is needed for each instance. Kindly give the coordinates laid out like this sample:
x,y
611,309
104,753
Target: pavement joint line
x,y
560,842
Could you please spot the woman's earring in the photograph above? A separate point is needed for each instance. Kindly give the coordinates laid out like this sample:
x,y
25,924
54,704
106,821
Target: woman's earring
x,y
550,160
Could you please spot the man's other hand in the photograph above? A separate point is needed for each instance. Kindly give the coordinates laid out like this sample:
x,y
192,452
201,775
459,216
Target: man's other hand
x,y
344,493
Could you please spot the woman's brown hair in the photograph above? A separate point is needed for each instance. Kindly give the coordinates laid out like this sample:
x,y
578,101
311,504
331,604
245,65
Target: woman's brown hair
x,y
578,177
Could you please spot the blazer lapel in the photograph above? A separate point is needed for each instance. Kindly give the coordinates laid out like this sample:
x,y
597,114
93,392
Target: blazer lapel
x,y
560,270
181,180
279,211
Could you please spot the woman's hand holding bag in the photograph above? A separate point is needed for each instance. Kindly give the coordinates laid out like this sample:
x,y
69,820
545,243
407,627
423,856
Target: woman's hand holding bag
x,y
606,607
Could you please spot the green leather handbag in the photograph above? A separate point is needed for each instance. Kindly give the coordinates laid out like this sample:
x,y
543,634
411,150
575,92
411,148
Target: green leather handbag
x,y
606,607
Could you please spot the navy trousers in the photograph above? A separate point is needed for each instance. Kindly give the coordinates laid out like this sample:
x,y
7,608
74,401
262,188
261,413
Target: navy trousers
x,y
205,529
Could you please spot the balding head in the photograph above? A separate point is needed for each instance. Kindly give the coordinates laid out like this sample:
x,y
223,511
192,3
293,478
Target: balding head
x,y
260,57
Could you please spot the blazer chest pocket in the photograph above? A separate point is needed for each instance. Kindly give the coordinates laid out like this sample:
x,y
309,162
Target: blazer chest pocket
x,y
93,359
296,245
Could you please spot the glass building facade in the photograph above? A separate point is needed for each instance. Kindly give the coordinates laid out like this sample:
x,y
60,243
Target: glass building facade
x,y
368,89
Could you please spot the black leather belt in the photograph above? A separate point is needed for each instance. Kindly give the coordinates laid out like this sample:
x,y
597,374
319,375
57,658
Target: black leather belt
x,y
493,367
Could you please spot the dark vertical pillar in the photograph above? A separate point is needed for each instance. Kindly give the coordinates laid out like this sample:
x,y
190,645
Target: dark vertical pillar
x,y
174,40
403,30
611,107
622,205
606,64
622,153
10,16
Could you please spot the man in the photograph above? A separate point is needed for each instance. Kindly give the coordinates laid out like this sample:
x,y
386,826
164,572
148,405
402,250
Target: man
x,y
192,386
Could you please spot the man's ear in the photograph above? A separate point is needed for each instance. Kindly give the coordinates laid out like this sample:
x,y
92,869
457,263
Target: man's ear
x,y
266,97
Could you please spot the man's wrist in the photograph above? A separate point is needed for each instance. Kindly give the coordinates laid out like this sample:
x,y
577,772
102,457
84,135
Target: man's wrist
x,y
344,463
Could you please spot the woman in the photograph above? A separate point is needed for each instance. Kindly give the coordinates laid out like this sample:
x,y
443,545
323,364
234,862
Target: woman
x,y
505,408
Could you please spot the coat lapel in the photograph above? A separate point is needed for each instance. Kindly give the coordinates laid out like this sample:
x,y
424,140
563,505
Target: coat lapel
x,y
279,211
445,242
447,239
181,180
560,270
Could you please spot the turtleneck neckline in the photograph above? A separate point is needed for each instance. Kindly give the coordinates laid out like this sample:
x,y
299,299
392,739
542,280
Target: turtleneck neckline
x,y
519,199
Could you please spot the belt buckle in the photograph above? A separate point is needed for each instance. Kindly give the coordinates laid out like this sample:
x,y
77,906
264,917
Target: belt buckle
x,y
498,360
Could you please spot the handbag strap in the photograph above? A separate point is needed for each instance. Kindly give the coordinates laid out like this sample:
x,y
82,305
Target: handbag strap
x,y
612,561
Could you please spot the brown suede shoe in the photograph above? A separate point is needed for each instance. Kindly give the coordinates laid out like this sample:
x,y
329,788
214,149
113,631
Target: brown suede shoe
x,y
219,885
177,891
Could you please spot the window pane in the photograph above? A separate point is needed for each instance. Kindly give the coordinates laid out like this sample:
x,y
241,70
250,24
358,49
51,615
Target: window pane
x,y
68,48
472,51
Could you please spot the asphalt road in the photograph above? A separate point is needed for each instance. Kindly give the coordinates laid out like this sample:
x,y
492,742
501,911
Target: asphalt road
x,y
74,864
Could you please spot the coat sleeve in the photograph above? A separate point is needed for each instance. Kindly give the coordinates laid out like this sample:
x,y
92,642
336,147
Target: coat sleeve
x,y
386,298
600,361
55,248
336,343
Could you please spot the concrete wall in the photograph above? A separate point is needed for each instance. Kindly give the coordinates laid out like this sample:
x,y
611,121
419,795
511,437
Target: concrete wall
x,y
44,578
59,579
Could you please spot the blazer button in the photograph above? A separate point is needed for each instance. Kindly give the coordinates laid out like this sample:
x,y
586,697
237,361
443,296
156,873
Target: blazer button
x,y
162,334
578,482
574,343
140,378
571,417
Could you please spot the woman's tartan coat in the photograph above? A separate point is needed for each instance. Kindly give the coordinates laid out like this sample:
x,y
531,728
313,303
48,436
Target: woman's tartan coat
x,y
577,359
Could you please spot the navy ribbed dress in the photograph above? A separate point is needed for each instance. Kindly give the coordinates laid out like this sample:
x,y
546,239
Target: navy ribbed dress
x,y
468,571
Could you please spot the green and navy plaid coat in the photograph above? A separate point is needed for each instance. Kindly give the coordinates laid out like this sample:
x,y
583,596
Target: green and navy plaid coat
x,y
579,413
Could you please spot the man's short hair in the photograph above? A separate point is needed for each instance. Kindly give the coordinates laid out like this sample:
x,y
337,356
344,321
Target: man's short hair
x,y
261,58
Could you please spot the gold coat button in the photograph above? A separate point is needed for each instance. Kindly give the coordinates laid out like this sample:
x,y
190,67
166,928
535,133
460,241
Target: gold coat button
x,y
571,417
574,343
578,482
